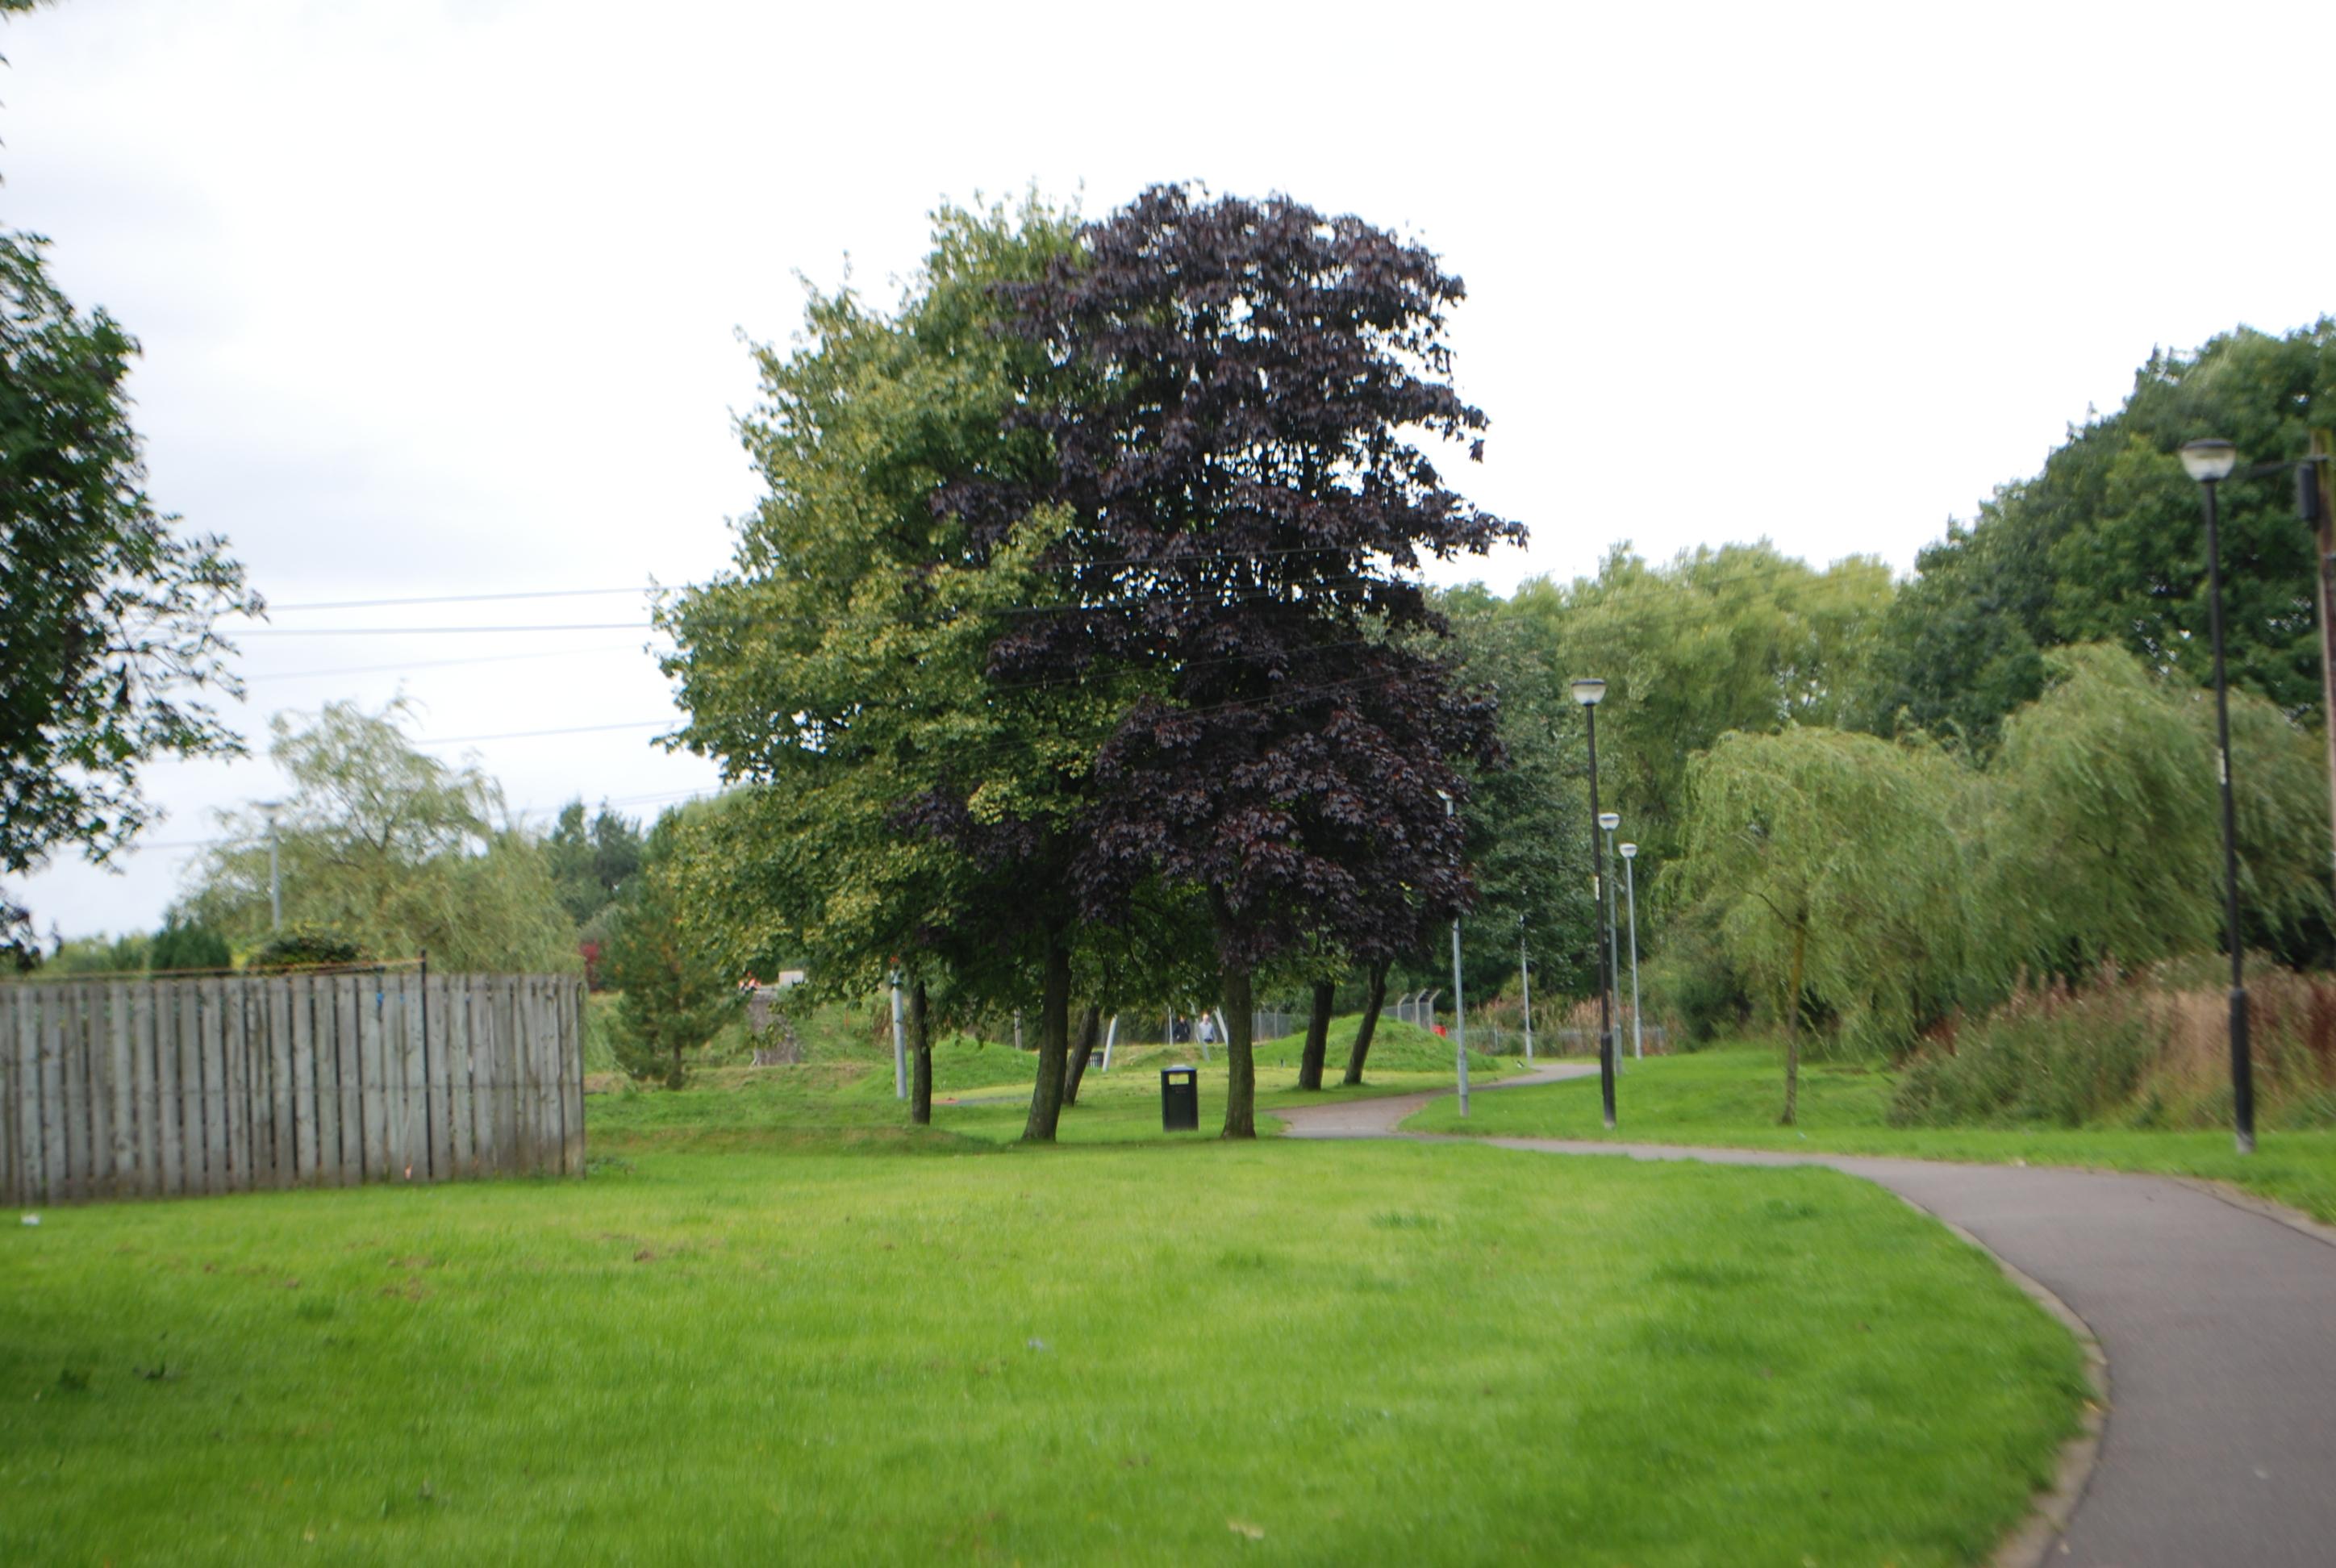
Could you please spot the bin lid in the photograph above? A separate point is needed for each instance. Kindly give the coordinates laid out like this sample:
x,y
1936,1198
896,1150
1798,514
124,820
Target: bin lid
x,y
1168,1072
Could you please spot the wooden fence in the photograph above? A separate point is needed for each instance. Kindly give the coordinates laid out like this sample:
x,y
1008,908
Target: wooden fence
x,y
236,1083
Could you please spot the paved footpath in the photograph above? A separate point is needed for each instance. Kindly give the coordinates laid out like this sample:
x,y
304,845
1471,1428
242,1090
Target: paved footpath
x,y
2217,1318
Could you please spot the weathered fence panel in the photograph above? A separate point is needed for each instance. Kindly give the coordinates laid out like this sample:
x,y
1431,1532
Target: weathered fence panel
x,y
238,1084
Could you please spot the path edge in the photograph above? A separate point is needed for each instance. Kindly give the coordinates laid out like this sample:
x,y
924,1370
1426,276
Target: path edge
x,y
2255,1203
2030,1543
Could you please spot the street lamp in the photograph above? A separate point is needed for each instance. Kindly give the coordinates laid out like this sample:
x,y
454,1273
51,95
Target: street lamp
x,y
1589,693
1459,1007
1607,822
1631,893
2210,463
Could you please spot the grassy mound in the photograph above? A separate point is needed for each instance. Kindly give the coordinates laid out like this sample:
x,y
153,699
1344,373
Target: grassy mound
x,y
1397,1048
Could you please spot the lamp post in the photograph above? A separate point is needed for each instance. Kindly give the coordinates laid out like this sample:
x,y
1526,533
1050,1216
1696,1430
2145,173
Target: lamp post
x,y
1607,822
1630,896
1525,979
1589,692
275,874
2209,463
1459,1007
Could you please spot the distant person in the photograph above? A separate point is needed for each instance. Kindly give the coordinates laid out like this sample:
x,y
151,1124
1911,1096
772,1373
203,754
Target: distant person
x,y
1208,1031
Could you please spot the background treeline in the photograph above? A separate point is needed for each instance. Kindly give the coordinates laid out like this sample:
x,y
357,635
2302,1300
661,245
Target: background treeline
x,y
1869,812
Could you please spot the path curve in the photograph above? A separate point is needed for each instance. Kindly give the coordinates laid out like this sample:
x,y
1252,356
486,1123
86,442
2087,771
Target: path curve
x,y
2218,1318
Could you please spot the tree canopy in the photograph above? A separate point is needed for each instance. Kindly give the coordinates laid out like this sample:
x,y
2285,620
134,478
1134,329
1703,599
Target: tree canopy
x,y
2104,545
1240,489
391,848
901,804
109,645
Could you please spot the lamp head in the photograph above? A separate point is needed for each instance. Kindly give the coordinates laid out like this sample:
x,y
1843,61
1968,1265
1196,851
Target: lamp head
x,y
1629,852
1589,691
1610,820
2209,459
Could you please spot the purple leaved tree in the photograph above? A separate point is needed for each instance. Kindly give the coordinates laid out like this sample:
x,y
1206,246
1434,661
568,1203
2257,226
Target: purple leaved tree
x,y
1243,498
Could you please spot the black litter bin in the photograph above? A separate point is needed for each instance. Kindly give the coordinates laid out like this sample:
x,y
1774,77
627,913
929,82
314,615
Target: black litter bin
x,y
1179,1099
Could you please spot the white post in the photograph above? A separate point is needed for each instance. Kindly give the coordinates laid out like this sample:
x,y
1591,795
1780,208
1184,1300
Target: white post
x,y
899,1050
1109,1034
1631,893
275,882
1525,978
1220,1031
1459,1019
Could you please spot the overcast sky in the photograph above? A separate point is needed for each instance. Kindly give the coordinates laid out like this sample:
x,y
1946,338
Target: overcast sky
x,y
444,297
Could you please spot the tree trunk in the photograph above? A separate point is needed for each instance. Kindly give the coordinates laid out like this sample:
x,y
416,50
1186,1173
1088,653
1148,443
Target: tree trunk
x,y
1054,1040
1241,1067
1372,1003
1793,1029
1317,1036
920,1046
1090,1026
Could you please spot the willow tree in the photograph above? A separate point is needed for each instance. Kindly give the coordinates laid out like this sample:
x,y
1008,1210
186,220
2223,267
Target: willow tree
x,y
2103,843
391,848
1242,498
1836,862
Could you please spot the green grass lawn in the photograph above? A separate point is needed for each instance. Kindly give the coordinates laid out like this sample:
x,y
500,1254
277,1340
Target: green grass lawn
x,y
775,1344
1731,1096
981,1094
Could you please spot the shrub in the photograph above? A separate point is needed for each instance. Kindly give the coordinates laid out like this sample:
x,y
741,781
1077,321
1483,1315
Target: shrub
x,y
188,947
306,945
2143,1047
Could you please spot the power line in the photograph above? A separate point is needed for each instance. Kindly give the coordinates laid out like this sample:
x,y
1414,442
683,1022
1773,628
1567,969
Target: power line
x,y
441,663
473,598
436,630
1167,555
539,733
662,798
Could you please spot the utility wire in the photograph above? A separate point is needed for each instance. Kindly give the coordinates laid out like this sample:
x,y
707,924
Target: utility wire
x,y
540,733
435,630
1167,557
441,663
471,598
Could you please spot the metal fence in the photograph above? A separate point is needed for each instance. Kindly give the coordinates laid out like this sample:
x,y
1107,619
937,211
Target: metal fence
x,y
1654,1038
237,1083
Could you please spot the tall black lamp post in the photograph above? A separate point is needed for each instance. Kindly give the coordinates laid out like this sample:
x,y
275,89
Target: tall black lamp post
x,y
2210,463
1589,693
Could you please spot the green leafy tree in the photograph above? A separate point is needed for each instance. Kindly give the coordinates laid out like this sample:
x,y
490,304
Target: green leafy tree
x,y
590,861
393,848
1528,822
1737,638
99,955
2104,545
111,641
2104,841
1837,863
185,945
675,992
898,803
